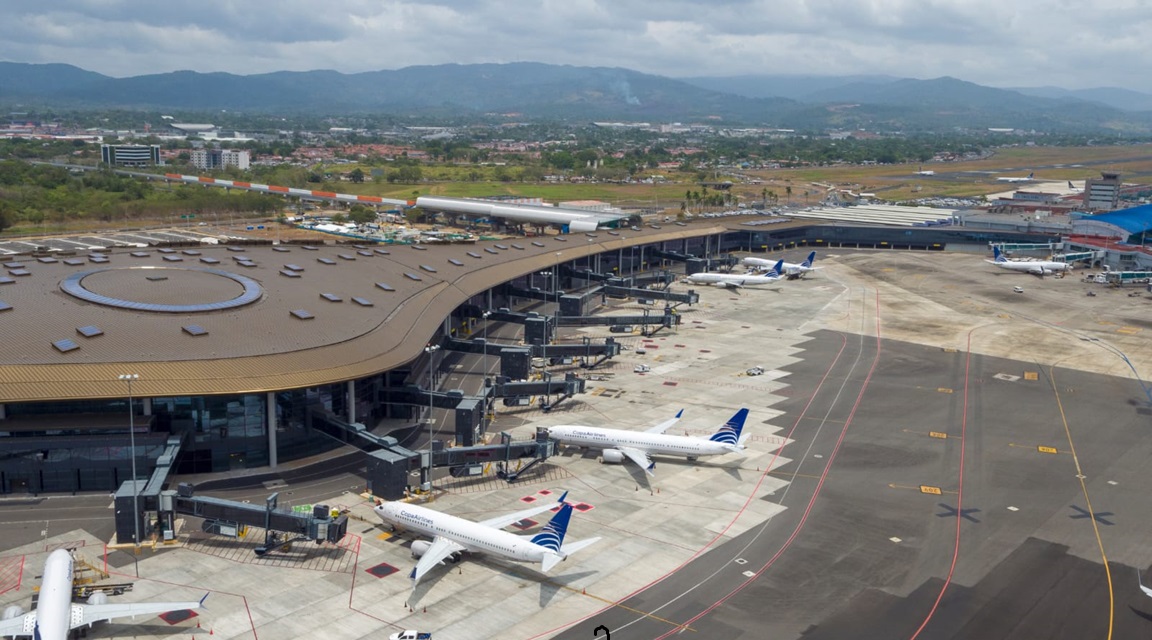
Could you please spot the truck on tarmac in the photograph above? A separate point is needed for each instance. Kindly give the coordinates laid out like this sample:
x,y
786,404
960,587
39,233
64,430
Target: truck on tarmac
x,y
410,634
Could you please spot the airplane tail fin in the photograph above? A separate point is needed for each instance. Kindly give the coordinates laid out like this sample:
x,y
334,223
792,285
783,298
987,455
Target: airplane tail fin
x,y
777,269
1070,185
807,264
997,256
552,535
730,433
1030,174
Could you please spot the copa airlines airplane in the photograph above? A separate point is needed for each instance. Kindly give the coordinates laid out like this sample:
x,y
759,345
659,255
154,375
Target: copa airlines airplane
x,y
621,444
1027,178
790,269
1035,267
56,615
925,172
452,536
736,280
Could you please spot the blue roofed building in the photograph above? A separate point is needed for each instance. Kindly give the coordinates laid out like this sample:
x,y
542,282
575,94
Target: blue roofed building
x,y
1125,225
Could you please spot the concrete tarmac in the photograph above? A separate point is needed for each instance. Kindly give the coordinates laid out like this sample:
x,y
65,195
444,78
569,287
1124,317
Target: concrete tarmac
x,y
933,456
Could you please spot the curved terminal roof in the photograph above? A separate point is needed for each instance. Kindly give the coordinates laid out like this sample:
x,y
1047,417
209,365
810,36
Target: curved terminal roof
x,y
1119,224
575,219
222,319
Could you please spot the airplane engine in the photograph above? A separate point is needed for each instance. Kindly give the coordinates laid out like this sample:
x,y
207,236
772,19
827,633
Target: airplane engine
x,y
420,547
611,456
13,611
98,598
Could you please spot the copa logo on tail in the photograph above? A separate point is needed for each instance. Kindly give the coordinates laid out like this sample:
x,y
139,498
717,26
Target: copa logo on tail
x,y
552,535
730,432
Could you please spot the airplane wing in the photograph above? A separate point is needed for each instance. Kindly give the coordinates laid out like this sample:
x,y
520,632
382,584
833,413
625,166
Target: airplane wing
x,y
436,554
19,626
639,457
86,614
499,522
667,424
727,284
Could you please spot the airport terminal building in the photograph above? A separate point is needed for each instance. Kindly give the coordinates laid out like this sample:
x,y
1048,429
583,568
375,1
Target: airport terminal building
x,y
251,353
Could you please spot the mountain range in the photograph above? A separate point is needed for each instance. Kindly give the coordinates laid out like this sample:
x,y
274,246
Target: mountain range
x,y
541,91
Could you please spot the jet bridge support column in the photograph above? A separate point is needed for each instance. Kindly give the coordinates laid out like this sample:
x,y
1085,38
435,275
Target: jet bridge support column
x,y
270,423
351,401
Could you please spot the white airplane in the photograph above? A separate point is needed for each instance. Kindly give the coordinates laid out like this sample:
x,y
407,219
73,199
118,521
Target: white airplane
x,y
790,269
453,536
1073,188
1035,267
736,280
56,615
621,444
922,172
1027,178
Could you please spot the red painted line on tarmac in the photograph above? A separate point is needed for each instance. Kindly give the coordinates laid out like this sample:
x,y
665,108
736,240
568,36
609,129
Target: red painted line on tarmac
x,y
959,494
748,500
815,493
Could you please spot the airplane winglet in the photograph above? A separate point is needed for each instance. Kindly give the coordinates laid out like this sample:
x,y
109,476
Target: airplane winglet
x,y
562,497
204,598
679,413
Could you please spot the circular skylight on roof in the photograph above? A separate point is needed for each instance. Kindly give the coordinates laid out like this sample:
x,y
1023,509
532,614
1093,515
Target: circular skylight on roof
x,y
149,288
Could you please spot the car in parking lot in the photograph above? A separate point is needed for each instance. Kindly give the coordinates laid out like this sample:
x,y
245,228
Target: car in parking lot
x,y
1018,289
755,371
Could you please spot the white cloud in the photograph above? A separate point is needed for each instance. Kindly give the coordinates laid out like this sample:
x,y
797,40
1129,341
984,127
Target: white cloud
x,y
1032,42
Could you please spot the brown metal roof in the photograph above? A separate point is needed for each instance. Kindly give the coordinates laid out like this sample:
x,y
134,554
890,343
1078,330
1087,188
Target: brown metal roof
x,y
259,347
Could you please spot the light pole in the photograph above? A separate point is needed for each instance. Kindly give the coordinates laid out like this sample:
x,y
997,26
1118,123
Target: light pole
x,y
431,351
129,377
484,317
426,479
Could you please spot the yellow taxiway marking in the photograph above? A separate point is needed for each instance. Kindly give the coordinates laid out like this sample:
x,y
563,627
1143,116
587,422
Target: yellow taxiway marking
x,y
1128,330
1087,502
384,536
944,390
931,434
1039,448
1031,375
922,488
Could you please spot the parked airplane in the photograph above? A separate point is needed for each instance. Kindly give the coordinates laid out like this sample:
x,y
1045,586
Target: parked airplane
x,y
56,615
1073,188
922,172
621,444
790,269
453,536
736,280
1035,267
1027,178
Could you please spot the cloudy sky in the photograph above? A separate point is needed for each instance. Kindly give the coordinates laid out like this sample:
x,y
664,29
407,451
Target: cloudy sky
x,y
995,42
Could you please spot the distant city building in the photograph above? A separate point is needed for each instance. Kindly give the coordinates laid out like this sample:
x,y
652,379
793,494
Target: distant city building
x,y
191,128
219,158
1103,193
130,155
585,205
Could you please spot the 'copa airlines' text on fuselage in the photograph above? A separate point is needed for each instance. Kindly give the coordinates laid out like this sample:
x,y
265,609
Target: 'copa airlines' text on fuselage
x,y
471,535
648,442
